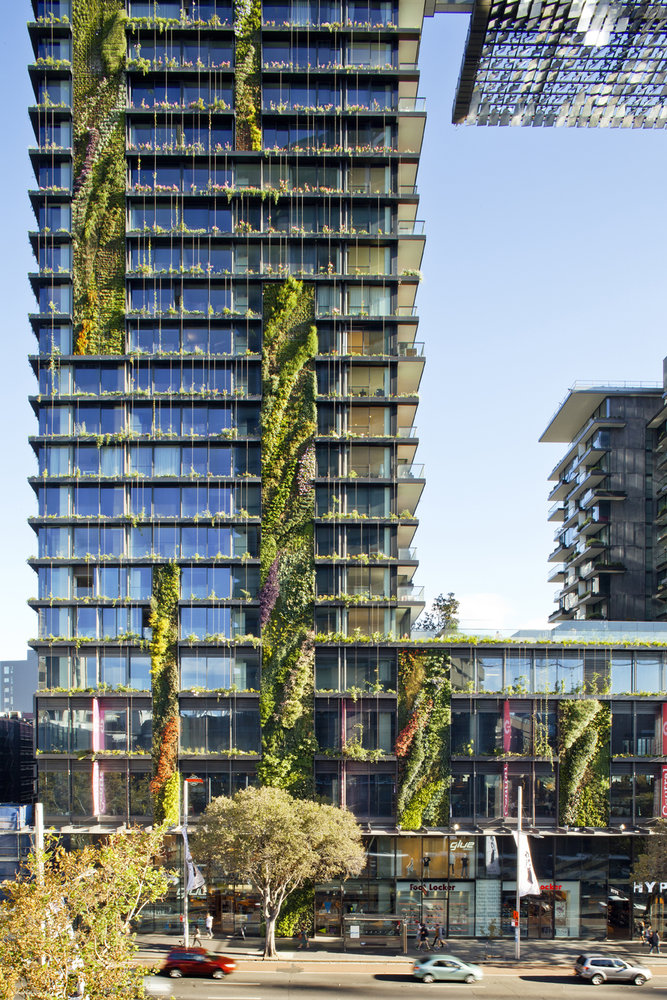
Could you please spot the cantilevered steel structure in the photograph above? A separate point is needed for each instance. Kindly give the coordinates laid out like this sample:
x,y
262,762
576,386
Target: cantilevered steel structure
x,y
568,62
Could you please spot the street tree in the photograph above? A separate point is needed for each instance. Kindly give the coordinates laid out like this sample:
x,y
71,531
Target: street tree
x,y
66,920
650,866
276,843
441,616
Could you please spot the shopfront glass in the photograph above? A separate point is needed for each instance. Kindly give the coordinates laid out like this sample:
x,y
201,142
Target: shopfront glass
x,y
462,910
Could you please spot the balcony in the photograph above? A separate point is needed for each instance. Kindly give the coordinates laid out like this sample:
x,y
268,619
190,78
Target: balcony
x,y
410,227
643,746
557,574
407,555
556,512
410,594
599,566
410,349
413,471
594,496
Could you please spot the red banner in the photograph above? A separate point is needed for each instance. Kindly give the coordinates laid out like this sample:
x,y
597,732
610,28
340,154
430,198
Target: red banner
x,y
663,794
507,727
506,789
664,728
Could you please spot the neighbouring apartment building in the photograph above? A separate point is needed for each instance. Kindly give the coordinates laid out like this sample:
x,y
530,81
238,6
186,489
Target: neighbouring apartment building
x,y
227,364
604,504
18,683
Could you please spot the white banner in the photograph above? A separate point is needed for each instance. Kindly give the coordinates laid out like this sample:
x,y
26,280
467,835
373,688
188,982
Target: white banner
x,y
491,856
526,877
195,878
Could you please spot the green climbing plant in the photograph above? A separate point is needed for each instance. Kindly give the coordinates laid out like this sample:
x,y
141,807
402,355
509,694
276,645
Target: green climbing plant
x,y
247,75
98,206
165,686
423,743
287,596
584,726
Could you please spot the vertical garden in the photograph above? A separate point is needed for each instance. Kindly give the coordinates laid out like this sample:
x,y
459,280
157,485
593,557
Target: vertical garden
x,y
287,595
247,73
584,726
98,207
423,743
165,686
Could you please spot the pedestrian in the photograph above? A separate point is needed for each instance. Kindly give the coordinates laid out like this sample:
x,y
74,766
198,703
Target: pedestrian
x,y
655,943
438,938
209,924
303,937
422,938
647,935
196,939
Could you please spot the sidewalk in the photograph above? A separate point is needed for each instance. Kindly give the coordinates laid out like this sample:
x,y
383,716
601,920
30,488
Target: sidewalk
x,y
493,955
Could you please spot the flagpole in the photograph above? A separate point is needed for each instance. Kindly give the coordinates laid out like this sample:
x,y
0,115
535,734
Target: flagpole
x,y
517,929
186,926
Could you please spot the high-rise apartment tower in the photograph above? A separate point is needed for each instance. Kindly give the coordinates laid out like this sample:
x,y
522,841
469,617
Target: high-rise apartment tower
x,y
227,356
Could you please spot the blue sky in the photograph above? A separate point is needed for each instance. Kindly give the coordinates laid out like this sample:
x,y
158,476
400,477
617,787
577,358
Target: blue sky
x,y
544,265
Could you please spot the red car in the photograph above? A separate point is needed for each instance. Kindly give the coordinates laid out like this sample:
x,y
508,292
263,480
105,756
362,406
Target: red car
x,y
197,962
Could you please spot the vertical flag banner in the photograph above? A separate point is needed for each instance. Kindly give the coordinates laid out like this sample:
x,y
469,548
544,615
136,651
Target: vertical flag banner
x,y
526,878
507,727
195,878
506,790
663,793
491,857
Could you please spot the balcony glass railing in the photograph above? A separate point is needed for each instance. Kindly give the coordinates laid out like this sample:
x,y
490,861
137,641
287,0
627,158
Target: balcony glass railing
x,y
410,227
643,746
366,390
412,104
407,554
412,471
406,432
407,349
408,593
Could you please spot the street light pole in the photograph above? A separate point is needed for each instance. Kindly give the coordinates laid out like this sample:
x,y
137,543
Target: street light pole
x,y
517,929
186,925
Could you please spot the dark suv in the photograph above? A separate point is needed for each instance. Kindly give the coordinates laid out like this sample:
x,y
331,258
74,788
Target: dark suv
x,y
610,968
197,962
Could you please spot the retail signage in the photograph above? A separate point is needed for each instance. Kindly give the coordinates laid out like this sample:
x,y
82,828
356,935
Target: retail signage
x,y
431,887
550,886
650,887
461,845
506,790
664,728
507,728
663,793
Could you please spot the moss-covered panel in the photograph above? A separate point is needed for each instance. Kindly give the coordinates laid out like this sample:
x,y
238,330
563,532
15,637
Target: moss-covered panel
x,y
287,596
98,209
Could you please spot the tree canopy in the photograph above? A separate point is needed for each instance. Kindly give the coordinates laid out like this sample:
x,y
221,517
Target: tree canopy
x,y
441,616
278,843
651,864
65,924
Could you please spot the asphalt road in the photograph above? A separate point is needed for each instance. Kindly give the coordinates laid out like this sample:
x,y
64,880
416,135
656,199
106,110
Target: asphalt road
x,y
292,984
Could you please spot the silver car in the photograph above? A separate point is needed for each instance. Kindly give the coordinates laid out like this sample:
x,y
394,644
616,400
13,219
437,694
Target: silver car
x,y
610,969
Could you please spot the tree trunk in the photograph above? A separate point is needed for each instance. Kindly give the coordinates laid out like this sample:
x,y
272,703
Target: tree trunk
x,y
270,936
